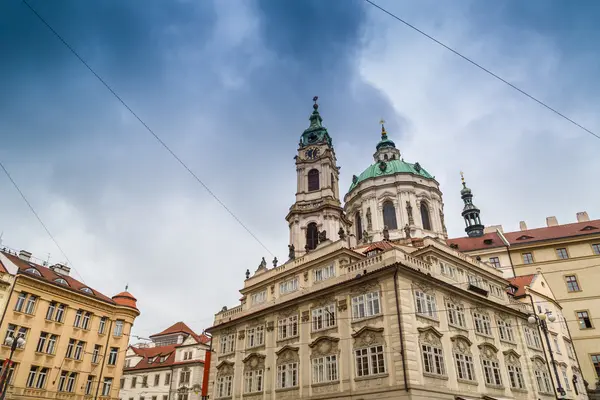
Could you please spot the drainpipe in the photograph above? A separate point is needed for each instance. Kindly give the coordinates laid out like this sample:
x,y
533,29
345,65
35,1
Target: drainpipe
x,y
398,312
171,383
507,245
206,371
548,341
104,359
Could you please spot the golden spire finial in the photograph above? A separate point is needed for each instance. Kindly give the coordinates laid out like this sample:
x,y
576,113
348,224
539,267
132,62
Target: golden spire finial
x,y
462,177
382,122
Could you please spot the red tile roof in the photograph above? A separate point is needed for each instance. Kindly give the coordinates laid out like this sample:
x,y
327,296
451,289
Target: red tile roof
x,y
383,245
181,327
50,276
125,299
149,352
520,282
466,244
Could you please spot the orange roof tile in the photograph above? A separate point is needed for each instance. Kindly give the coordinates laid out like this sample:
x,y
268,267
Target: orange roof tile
x,y
148,353
520,282
50,276
181,327
125,299
466,244
383,245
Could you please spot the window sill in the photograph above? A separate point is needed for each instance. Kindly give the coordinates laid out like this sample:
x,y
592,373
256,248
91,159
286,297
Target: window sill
x,y
254,348
518,390
535,348
462,328
362,319
436,376
328,383
427,317
367,377
288,339
509,342
492,386
287,389
468,382
322,331
484,335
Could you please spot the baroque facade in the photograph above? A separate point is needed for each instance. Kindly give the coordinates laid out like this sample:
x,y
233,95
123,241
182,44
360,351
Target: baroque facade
x,y
392,313
74,336
171,367
568,255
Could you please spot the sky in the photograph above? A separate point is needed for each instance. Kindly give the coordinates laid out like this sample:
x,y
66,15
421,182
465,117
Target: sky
x,y
228,86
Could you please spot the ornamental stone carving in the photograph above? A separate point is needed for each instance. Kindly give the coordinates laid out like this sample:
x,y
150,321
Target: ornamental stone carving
x,y
461,344
286,394
430,335
324,346
369,383
287,354
342,304
324,301
488,351
254,361
287,312
305,316
305,276
270,326
368,336
326,389
366,287
241,334
511,357
423,287
225,368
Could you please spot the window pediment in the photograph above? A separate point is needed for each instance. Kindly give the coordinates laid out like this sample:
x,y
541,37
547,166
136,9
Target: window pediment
x,y
254,361
368,336
286,348
287,354
225,368
510,354
488,349
370,286
430,335
456,339
538,361
323,346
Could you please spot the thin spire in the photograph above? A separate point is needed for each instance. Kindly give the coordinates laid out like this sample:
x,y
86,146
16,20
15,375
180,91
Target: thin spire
x,y
315,118
462,178
126,286
383,132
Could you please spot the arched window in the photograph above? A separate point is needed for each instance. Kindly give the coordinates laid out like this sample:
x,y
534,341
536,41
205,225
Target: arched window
x,y
359,230
389,215
33,271
425,217
313,180
312,236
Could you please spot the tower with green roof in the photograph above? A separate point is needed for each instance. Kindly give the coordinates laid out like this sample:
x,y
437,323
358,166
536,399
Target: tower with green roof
x,y
393,198
317,214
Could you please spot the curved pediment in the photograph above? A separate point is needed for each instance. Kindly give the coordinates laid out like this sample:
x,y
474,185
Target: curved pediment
x,y
285,348
322,338
460,337
511,352
224,363
538,359
366,329
488,345
253,355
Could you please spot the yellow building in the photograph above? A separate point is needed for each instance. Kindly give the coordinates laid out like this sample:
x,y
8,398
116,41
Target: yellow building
x,y
75,337
569,257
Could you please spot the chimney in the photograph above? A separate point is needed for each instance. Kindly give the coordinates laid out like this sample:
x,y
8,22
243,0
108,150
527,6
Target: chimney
x,y
24,255
551,221
583,216
522,226
61,269
493,228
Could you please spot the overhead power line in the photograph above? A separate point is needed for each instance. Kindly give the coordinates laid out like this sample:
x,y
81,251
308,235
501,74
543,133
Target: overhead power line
x,y
158,139
554,110
14,183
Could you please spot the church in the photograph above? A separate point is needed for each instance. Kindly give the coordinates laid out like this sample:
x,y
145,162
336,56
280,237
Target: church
x,y
372,302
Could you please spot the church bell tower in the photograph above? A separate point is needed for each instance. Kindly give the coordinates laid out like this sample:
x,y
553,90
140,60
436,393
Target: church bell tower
x,y
317,215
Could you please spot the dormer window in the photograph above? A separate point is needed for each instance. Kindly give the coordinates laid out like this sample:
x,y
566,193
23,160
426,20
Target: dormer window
x,y
151,360
524,237
87,290
163,359
589,228
488,241
61,281
33,271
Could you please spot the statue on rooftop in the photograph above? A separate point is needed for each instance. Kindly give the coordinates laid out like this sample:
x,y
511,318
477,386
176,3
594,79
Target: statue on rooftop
x,y
291,252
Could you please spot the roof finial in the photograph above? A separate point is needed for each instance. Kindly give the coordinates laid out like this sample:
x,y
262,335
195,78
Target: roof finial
x,y
462,178
383,132
316,105
126,286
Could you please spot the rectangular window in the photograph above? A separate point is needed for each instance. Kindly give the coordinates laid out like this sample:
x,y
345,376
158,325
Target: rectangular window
x,y
491,372
96,354
255,336
370,361
41,379
31,377
324,273
79,350
596,363
133,382
527,258
60,313
89,385
433,360
102,325
288,286
30,306
70,348
505,330
51,310
224,386
227,343
596,248
566,379
287,375
572,284
495,261
456,314
425,304
187,355
570,350
107,386
532,337
62,380
20,302
78,317
86,320
253,381
585,322
515,376
325,369
118,331
366,305
543,381
287,327
483,325
51,347
478,281
465,368
41,345
259,298
323,318
184,376
71,379
448,270
168,378
562,253
156,379
112,357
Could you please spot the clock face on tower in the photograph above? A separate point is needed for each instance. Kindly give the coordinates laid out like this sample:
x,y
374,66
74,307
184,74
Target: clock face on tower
x,y
311,154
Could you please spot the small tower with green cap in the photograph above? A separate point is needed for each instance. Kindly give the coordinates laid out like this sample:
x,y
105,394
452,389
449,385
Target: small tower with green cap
x,y
386,149
317,215
470,212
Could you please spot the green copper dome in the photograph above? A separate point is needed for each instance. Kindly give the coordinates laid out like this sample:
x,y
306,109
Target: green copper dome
x,y
389,167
